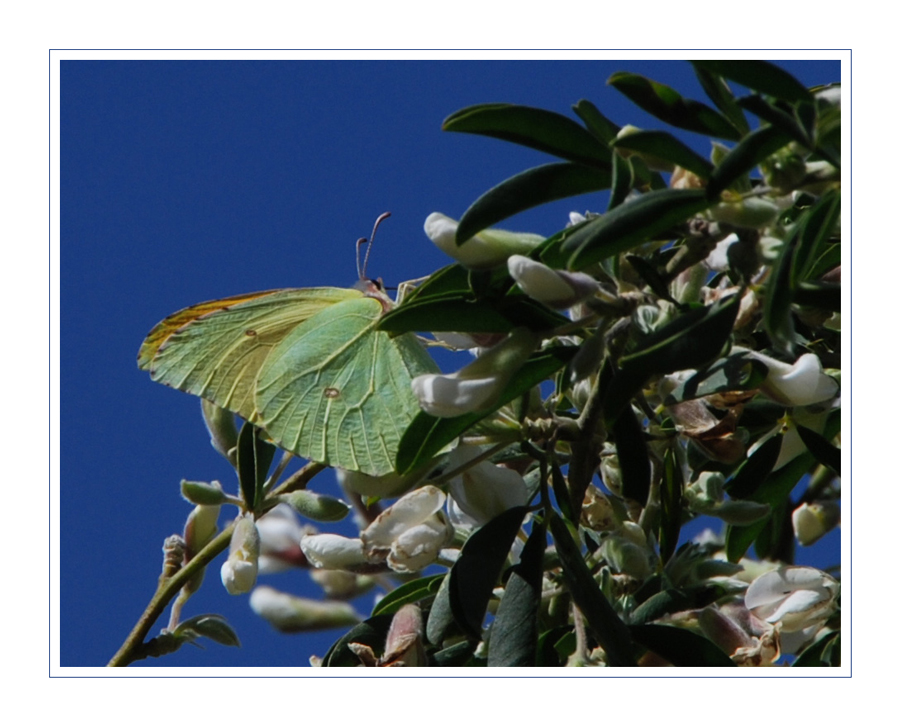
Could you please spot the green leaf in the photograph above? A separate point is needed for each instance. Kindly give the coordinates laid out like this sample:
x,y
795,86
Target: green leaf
x,y
455,656
481,561
600,126
427,434
528,189
668,105
738,372
371,632
692,340
721,95
465,314
821,295
826,453
605,625
622,181
670,495
745,157
817,227
778,318
414,591
440,617
254,457
448,281
759,75
214,627
648,217
533,127
514,632
754,470
634,459
665,146
778,117
680,647
823,653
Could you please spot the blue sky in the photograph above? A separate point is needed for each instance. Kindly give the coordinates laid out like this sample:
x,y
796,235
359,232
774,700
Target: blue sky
x,y
190,181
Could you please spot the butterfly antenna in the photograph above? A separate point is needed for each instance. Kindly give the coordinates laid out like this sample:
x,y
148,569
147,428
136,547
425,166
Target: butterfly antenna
x,y
365,265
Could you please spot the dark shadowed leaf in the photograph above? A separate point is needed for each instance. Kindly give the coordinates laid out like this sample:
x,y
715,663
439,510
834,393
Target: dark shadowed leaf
x,y
692,340
780,118
634,460
533,127
818,226
477,571
826,453
737,372
668,105
622,181
415,591
600,126
778,318
528,189
650,216
753,472
680,647
427,434
440,617
759,75
463,313
823,653
607,628
665,146
514,632
455,656
745,157
670,494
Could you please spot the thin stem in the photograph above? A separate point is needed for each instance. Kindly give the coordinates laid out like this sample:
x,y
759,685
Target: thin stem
x,y
167,590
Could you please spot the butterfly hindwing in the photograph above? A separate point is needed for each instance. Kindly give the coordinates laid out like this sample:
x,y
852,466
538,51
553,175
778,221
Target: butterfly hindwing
x,y
337,390
216,349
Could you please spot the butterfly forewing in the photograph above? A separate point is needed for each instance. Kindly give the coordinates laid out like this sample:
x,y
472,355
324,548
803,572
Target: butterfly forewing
x,y
336,390
216,349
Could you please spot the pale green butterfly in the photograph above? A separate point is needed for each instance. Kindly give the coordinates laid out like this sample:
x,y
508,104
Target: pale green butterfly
x,y
307,365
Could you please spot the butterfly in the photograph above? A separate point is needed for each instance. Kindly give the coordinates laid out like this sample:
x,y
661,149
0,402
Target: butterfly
x,y
307,365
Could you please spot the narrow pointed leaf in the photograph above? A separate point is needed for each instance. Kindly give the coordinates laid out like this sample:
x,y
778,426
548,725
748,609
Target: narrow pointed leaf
x,y
604,623
427,434
650,216
818,227
826,453
622,181
254,457
745,157
721,95
600,126
529,189
456,656
680,647
670,495
777,117
214,627
737,372
415,591
754,471
533,127
440,617
823,653
759,75
665,146
514,632
668,105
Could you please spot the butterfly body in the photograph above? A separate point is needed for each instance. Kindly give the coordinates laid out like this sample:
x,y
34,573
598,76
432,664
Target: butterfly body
x,y
308,365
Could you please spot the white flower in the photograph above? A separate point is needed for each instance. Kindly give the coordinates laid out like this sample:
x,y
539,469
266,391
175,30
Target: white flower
x,y
410,534
279,537
239,571
291,614
334,552
556,288
477,386
488,248
799,384
796,597
484,491
717,260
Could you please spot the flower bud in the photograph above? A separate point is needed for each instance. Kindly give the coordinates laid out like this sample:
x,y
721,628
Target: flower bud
x,y
626,557
813,521
751,213
477,386
611,472
239,570
291,614
201,526
557,288
317,507
279,536
340,584
487,249
222,431
199,492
